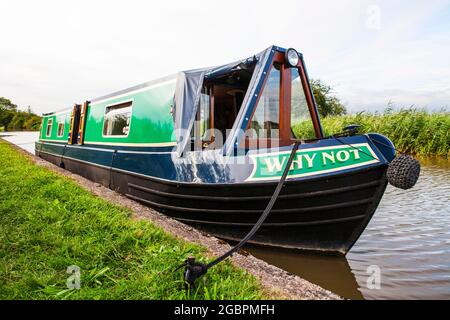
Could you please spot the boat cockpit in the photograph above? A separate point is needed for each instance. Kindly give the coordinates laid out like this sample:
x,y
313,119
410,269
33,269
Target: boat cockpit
x,y
283,111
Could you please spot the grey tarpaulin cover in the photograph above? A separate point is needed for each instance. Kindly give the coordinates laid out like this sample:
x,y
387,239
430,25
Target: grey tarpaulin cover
x,y
188,90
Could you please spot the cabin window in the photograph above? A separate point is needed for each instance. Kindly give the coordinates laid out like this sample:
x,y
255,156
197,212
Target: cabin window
x,y
117,119
266,119
202,124
221,99
61,125
284,109
49,127
205,105
301,123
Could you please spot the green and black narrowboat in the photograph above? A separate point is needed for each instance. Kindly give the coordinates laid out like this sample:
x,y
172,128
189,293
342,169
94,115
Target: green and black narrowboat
x,y
208,147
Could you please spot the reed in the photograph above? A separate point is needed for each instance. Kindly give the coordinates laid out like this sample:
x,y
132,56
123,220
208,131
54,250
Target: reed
x,y
413,131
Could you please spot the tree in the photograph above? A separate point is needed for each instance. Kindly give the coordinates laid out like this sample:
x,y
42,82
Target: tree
x,y
18,121
327,103
32,123
13,119
7,111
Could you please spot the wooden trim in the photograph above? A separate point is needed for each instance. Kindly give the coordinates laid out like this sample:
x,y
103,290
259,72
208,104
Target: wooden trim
x,y
198,138
72,119
285,136
74,122
262,143
197,130
211,113
285,132
310,100
82,122
285,107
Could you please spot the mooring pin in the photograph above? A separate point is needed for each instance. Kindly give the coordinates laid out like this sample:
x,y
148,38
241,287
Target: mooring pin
x,y
193,270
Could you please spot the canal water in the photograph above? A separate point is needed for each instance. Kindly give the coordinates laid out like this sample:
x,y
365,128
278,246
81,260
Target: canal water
x,y
24,139
407,243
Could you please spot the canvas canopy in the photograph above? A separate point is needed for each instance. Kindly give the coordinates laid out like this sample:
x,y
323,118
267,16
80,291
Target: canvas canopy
x,y
189,86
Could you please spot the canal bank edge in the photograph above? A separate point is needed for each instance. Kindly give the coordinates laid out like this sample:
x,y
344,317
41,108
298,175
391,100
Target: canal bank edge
x,y
277,283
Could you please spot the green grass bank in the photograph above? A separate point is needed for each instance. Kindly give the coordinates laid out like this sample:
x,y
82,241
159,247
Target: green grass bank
x,y
48,222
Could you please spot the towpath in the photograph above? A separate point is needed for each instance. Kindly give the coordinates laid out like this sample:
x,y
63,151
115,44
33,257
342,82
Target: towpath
x,y
276,282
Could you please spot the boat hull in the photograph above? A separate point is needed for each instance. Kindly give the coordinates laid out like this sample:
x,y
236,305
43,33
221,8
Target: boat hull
x,y
324,213
327,214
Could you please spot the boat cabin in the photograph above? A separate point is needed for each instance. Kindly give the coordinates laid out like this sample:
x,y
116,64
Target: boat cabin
x,y
283,111
264,101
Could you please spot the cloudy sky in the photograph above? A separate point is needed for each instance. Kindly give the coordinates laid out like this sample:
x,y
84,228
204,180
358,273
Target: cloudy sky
x,y
56,53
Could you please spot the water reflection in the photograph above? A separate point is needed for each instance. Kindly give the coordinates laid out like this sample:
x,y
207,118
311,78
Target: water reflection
x,y
330,272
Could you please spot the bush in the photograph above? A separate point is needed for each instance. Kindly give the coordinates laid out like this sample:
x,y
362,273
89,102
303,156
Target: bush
x,y
327,103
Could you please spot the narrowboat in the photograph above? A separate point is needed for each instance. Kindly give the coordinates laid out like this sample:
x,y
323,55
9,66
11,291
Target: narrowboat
x,y
208,147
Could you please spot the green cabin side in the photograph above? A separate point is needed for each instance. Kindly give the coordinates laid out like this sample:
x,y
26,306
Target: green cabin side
x,y
55,127
150,121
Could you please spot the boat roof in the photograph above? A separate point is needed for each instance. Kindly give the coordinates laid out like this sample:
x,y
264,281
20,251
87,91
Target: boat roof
x,y
54,113
188,89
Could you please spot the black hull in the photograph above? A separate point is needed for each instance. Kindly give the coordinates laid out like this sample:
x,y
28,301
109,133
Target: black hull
x,y
320,214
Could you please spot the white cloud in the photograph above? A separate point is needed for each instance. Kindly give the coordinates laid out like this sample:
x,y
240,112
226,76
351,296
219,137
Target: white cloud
x,y
403,61
55,53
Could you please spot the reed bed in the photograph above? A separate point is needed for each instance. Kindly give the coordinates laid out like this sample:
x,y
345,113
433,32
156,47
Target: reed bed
x,y
412,131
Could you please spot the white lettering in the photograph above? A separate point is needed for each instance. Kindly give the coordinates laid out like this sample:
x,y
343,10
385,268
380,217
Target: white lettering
x,y
271,166
202,311
329,156
310,159
342,155
297,162
355,153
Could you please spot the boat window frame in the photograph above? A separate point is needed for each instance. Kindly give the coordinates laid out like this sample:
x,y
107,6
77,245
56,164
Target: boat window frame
x,y
285,133
208,137
281,71
311,116
307,89
63,126
49,125
74,125
131,106
208,134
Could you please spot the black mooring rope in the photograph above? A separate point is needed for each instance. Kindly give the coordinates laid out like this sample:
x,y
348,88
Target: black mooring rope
x,y
195,269
264,214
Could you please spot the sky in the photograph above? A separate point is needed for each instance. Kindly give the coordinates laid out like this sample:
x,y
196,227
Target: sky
x,y
57,53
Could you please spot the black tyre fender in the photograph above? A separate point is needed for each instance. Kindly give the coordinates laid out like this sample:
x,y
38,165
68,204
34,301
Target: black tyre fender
x,y
403,172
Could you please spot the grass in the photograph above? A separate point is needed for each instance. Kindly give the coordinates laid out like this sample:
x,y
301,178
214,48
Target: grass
x,y
48,222
411,130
